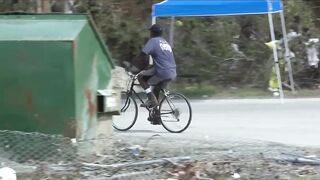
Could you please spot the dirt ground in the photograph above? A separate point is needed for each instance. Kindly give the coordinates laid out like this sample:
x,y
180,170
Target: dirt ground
x,y
160,158
218,160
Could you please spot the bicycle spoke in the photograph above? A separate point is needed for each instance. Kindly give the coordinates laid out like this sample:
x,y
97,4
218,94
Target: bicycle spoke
x,y
166,113
170,121
170,104
175,112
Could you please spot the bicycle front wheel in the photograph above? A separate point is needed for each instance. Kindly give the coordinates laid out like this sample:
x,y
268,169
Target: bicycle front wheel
x,y
175,112
128,113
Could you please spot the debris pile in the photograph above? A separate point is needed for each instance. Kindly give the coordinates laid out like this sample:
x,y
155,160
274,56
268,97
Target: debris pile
x,y
175,159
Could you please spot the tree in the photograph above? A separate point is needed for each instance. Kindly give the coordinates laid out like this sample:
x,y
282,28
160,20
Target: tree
x,y
203,46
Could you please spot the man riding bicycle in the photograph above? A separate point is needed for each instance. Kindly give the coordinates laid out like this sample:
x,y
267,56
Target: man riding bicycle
x,y
163,69
164,66
174,111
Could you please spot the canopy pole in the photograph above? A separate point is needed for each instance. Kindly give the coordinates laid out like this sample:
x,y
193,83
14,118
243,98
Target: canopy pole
x,y
171,33
154,20
287,51
275,55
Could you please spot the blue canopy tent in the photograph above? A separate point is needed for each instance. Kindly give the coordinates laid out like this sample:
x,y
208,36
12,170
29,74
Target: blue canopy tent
x,y
174,8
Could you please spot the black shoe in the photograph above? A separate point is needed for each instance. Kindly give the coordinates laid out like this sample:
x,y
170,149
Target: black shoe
x,y
154,120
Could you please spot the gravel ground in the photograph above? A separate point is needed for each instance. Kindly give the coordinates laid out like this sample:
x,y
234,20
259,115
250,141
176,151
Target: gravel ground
x,y
158,157
223,160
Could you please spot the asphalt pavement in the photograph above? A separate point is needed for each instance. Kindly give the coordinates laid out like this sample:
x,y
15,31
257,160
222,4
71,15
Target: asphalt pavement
x,y
292,121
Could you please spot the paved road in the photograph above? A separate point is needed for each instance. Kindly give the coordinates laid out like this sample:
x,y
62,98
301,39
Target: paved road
x,y
294,121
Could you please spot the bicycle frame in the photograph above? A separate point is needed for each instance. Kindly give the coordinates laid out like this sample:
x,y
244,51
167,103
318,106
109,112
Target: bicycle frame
x,y
131,91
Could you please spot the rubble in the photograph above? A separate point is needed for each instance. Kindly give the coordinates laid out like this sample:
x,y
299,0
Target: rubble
x,y
168,158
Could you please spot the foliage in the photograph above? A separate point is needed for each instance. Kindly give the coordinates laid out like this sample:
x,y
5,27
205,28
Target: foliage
x,y
11,5
196,91
203,45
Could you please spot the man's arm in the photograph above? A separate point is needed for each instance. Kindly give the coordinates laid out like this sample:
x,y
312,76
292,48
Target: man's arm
x,y
141,61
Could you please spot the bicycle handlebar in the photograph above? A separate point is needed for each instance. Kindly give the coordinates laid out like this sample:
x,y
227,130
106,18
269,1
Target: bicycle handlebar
x,y
133,76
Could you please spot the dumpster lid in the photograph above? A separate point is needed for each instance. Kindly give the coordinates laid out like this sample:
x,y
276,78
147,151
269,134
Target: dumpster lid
x,y
20,26
40,27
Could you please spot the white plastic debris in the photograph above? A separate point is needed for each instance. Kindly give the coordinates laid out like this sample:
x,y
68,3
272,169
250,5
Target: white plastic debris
x,y
276,94
314,40
7,173
74,140
136,150
236,176
311,156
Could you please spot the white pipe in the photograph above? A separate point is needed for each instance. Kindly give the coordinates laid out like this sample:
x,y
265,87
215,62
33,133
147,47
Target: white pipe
x,y
275,55
171,32
154,20
287,50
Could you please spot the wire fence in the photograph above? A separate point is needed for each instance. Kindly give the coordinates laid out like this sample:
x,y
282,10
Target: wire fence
x,y
30,154
25,147
43,156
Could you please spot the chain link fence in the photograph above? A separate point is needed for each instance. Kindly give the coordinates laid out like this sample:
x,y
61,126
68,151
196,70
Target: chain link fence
x,y
41,156
30,154
25,147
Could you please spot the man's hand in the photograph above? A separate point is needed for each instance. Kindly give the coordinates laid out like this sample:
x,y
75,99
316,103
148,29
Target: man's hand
x,y
130,67
141,73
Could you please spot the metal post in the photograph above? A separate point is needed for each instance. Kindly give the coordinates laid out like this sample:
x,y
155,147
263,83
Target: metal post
x,y
171,33
287,51
154,20
275,55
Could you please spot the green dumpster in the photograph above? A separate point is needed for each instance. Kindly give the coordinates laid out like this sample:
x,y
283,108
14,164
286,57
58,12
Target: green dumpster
x,y
51,66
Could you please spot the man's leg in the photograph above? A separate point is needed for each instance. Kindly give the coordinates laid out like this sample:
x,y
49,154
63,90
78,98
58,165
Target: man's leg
x,y
152,100
155,81
154,117
156,91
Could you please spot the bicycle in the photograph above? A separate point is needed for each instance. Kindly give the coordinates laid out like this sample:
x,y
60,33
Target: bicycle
x,y
171,106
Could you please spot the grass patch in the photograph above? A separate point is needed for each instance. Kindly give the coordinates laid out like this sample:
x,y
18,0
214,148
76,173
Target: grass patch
x,y
196,91
241,92
255,92
303,93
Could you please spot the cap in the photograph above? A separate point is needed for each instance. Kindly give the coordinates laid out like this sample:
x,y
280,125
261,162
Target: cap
x,y
156,28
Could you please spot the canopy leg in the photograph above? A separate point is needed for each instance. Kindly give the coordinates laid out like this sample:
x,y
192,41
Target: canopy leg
x,y
171,33
275,56
154,20
287,51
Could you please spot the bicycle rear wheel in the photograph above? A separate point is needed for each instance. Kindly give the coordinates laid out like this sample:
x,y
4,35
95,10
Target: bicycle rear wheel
x,y
128,113
175,112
